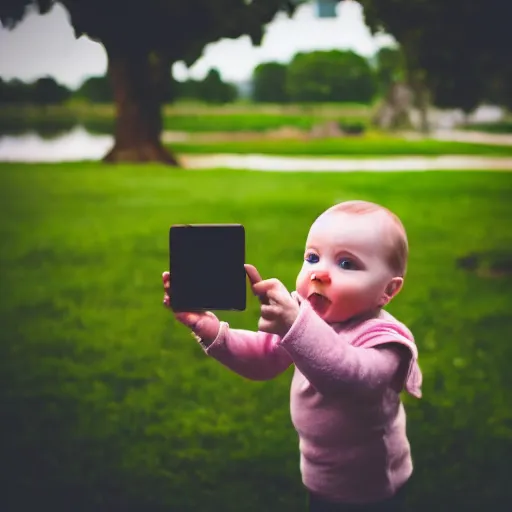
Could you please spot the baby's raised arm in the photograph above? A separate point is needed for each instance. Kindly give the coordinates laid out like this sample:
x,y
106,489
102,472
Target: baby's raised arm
x,y
254,355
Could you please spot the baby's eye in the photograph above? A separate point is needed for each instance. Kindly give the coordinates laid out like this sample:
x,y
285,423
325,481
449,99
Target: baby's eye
x,y
347,264
312,258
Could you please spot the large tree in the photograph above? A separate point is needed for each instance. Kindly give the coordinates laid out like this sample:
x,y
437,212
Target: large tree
x,y
455,49
142,40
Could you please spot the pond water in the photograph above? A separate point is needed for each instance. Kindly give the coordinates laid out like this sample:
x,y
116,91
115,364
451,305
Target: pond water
x,y
75,144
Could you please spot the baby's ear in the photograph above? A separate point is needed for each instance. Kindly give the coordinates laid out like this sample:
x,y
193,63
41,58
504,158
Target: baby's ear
x,y
392,289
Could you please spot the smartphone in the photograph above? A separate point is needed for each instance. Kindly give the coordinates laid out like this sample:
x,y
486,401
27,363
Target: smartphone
x,y
207,267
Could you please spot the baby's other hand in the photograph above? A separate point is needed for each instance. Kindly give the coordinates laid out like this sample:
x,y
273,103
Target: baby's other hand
x,y
202,323
278,308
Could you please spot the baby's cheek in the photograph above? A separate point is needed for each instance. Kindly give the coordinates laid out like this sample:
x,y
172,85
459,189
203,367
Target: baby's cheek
x,y
301,284
350,295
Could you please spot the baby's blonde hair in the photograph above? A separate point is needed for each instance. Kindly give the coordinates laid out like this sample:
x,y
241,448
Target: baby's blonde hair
x,y
399,247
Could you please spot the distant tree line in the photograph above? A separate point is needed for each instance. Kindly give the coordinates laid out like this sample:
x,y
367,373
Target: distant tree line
x,y
44,91
97,89
318,76
212,89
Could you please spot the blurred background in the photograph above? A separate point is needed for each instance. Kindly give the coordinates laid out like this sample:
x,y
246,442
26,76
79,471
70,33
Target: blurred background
x,y
119,119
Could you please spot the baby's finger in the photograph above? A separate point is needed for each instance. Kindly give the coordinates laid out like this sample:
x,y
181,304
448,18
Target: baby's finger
x,y
265,286
279,295
255,279
265,325
269,312
252,274
166,279
271,288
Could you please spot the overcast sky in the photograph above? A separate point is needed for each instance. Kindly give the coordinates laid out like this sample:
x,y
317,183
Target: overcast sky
x,y
45,45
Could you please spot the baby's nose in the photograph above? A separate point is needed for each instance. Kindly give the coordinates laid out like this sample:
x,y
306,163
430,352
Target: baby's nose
x,y
320,275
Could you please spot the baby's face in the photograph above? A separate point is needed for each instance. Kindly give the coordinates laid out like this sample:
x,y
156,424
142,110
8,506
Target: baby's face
x,y
346,253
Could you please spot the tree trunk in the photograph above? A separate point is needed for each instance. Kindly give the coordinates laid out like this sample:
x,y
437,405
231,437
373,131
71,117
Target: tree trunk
x,y
422,100
139,80
394,113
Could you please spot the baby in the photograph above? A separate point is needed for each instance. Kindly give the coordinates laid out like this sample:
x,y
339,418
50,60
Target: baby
x,y
351,358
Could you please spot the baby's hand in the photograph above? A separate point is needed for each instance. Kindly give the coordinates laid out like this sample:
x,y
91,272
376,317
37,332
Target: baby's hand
x,y
278,308
202,323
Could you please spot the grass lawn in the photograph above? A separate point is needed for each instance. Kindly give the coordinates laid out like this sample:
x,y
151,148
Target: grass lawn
x,y
183,117
504,126
108,405
368,146
254,121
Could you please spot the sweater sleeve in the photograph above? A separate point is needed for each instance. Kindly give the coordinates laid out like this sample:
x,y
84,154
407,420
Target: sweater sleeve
x,y
254,355
332,363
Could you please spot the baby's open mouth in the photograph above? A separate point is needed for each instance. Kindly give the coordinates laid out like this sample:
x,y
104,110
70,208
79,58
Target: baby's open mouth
x,y
319,302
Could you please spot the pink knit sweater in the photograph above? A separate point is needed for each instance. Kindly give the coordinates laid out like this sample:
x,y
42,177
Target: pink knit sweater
x,y
345,402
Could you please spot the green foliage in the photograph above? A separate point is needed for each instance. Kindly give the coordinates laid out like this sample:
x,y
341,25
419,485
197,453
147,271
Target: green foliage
x,y
44,91
48,92
15,92
456,47
390,67
212,89
323,76
96,89
499,87
179,30
497,127
109,405
269,83
320,76
189,89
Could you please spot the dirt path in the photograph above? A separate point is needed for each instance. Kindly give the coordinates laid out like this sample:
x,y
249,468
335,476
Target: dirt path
x,y
381,164
500,139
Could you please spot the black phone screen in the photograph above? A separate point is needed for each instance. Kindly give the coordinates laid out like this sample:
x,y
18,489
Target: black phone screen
x,y
207,267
